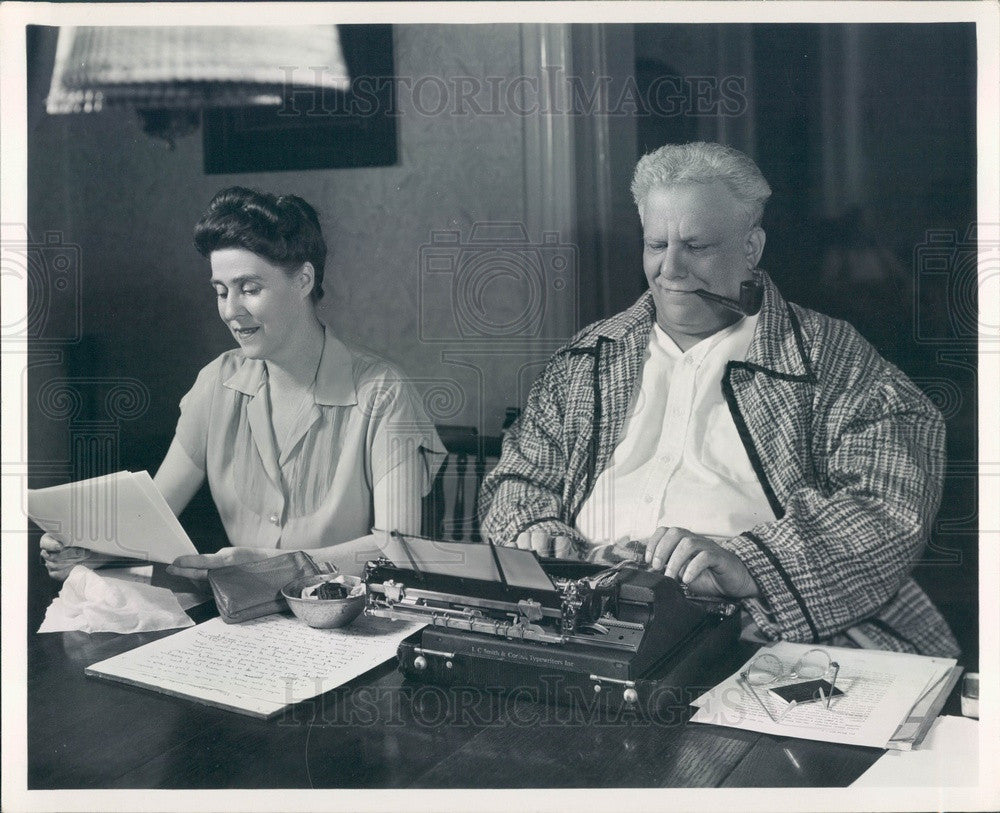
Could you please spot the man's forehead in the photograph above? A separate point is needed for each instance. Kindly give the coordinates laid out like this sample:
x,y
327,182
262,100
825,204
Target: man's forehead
x,y
692,206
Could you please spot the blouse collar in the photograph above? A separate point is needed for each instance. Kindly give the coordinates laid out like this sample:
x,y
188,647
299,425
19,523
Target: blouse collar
x,y
334,379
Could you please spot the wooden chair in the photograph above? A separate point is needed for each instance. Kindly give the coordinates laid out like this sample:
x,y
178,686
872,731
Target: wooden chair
x,y
450,510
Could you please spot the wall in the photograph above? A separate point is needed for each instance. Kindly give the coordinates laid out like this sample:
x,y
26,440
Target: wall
x,y
148,311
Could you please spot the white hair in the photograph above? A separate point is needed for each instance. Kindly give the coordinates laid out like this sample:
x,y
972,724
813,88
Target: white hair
x,y
703,162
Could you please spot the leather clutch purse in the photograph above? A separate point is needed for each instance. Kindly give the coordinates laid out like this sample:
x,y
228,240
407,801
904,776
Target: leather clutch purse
x,y
251,590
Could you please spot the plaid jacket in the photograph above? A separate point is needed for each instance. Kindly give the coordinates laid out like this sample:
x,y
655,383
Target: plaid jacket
x,y
849,453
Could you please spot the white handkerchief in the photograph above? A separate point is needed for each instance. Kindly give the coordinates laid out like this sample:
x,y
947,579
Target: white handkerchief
x,y
91,603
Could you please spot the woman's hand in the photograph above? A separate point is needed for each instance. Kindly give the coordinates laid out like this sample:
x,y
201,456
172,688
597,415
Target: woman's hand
x,y
197,566
60,560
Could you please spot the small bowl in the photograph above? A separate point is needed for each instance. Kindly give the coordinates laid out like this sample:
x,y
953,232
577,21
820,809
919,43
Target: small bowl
x,y
324,613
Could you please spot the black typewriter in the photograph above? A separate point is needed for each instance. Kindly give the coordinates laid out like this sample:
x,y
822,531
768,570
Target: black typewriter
x,y
504,618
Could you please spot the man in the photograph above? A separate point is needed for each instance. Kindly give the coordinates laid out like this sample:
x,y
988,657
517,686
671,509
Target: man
x,y
770,457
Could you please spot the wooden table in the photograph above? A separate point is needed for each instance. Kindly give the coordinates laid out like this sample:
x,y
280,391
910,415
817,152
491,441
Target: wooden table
x,y
376,732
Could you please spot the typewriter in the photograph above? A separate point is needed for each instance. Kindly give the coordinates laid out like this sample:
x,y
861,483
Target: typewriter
x,y
505,618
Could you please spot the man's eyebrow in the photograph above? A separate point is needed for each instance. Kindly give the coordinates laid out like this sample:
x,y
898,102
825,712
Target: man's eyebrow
x,y
238,280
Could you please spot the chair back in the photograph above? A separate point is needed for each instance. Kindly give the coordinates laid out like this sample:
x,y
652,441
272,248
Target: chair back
x,y
451,509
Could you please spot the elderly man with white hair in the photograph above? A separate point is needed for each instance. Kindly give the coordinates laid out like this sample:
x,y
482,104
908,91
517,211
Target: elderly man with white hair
x,y
747,447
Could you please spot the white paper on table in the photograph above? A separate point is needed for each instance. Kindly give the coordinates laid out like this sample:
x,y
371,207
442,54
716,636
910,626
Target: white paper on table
x,y
121,514
880,690
260,666
89,602
948,756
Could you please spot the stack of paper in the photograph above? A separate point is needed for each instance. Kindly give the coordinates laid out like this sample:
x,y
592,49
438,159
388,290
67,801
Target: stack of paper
x,y
887,698
121,514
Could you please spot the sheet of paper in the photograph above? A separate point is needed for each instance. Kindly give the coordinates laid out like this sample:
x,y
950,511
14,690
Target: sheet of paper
x,y
468,560
260,666
949,756
880,690
521,568
121,514
914,728
146,485
445,558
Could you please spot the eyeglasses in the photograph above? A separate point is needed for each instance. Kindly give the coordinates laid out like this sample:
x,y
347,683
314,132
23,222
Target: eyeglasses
x,y
767,669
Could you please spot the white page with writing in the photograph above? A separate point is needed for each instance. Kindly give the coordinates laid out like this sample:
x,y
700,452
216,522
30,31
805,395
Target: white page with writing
x,y
880,689
258,666
121,514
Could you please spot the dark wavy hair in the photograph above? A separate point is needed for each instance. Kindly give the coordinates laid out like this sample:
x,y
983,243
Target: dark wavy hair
x,y
282,229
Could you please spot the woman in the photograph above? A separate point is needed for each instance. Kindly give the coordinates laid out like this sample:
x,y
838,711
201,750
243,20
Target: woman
x,y
306,443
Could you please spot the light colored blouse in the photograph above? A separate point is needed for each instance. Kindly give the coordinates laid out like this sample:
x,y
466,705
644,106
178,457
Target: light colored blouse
x,y
365,420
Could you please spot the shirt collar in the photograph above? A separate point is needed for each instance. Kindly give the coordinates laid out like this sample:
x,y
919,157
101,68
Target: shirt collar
x,y
776,347
334,379
736,338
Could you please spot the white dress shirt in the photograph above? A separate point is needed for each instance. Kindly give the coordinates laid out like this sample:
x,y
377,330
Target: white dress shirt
x,y
680,461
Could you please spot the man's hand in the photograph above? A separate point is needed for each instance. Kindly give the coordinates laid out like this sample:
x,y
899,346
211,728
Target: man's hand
x,y
559,547
706,568
197,566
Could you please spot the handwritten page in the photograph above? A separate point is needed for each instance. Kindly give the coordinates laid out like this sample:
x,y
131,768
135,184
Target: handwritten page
x,y
260,666
121,514
880,689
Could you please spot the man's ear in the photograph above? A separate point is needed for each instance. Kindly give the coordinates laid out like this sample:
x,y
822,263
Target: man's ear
x,y
754,247
305,278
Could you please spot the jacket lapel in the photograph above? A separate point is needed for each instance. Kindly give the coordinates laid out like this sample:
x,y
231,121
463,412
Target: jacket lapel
x,y
614,353
770,398
619,367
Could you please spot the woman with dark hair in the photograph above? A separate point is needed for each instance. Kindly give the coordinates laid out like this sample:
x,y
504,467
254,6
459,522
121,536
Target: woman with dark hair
x,y
306,443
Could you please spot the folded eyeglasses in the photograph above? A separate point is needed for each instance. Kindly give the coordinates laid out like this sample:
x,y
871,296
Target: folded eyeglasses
x,y
767,670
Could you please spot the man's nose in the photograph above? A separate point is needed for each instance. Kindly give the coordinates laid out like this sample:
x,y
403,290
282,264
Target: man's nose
x,y
672,265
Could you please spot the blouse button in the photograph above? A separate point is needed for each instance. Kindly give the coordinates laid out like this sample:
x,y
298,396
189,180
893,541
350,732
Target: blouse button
x,y
274,518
